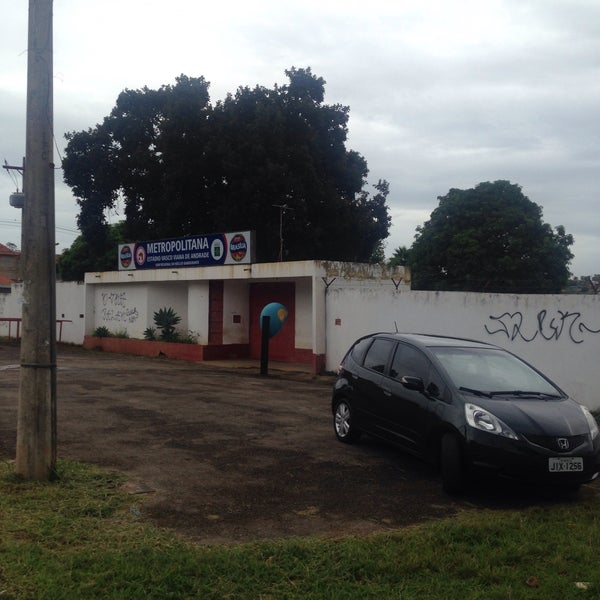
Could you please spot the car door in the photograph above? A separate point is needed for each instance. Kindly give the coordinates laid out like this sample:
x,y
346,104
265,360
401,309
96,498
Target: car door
x,y
368,380
408,413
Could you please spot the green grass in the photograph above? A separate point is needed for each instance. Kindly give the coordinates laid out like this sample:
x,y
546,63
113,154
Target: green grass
x,y
81,537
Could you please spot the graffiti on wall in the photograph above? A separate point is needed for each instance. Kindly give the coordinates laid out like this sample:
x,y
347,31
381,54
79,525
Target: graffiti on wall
x,y
546,325
115,309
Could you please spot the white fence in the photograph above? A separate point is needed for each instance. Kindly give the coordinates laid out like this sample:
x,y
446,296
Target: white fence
x,y
559,334
70,311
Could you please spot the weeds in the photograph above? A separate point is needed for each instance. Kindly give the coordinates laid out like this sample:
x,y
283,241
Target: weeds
x,y
81,537
165,320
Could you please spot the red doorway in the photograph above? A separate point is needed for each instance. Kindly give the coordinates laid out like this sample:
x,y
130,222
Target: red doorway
x,y
281,346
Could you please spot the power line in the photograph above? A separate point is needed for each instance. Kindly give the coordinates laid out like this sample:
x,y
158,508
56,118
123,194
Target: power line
x,y
9,170
57,227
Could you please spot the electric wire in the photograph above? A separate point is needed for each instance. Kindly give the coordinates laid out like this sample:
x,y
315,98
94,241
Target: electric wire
x,y
57,227
11,174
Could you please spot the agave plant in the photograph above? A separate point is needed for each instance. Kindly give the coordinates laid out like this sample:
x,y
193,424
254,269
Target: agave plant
x,y
150,334
166,319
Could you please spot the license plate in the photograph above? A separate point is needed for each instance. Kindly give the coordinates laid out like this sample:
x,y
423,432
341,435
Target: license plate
x,y
565,464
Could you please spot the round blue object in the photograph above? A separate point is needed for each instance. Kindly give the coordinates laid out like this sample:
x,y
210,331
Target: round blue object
x,y
277,314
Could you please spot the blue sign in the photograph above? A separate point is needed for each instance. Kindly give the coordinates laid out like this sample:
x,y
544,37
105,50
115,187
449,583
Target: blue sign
x,y
192,251
277,314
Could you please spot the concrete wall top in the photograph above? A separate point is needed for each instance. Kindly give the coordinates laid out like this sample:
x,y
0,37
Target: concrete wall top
x,y
364,271
256,271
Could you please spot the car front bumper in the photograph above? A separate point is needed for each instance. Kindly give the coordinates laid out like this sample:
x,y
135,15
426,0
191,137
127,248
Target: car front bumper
x,y
523,460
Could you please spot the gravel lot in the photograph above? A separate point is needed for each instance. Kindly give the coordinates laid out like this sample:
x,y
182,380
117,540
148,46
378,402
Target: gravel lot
x,y
223,455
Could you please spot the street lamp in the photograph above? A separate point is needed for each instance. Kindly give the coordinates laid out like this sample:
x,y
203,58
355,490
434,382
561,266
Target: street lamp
x,y
282,208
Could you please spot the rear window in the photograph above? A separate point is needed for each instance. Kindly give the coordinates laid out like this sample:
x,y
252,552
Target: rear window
x,y
378,355
359,349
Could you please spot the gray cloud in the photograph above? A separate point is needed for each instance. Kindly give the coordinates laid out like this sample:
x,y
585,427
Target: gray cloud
x,y
441,94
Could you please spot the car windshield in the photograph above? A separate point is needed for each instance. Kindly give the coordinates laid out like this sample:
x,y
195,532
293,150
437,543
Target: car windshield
x,y
492,372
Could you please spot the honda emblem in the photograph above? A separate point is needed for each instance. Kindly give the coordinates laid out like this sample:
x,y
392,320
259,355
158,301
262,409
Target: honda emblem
x,y
563,443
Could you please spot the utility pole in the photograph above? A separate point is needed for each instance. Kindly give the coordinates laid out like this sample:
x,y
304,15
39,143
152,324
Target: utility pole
x,y
36,421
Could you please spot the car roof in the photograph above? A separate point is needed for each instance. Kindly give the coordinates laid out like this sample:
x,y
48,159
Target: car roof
x,y
429,340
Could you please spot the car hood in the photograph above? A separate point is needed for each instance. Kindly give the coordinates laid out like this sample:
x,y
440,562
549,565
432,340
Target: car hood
x,y
552,417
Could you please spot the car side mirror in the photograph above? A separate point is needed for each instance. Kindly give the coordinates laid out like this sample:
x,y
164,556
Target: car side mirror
x,y
412,383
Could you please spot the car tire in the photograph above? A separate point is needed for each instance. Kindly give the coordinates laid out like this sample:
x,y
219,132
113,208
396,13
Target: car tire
x,y
343,423
451,464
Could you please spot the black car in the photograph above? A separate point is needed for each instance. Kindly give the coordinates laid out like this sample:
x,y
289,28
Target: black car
x,y
466,406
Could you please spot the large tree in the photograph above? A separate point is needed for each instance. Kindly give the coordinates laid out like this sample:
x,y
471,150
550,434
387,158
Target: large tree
x,y
181,166
83,256
490,238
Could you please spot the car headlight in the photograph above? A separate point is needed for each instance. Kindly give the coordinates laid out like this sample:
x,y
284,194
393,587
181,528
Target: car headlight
x,y
482,419
591,421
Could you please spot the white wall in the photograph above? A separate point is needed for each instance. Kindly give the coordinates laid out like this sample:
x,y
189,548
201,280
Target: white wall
x,y
70,306
119,308
169,295
130,307
236,296
10,308
559,334
198,303
304,322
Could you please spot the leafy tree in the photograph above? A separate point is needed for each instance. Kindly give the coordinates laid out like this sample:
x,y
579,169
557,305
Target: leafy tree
x,y
378,254
182,166
490,238
85,256
146,152
401,256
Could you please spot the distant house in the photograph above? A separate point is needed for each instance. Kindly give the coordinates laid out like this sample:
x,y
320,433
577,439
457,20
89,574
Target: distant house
x,y
5,284
9,263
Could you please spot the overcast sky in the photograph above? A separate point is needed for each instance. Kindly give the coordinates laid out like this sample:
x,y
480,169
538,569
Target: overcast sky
x,y
442,93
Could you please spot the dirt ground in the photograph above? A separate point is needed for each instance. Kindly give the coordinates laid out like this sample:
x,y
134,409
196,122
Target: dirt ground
x,y
222,455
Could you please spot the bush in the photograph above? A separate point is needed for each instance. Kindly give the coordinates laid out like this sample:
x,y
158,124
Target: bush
x,y
189,338
166,319
150,334
101,332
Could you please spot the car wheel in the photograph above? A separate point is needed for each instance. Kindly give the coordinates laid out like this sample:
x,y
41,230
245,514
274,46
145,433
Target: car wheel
x,y
343,423
451,463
